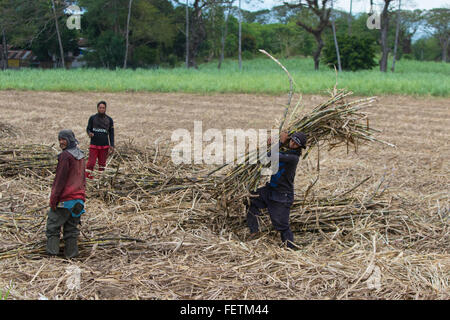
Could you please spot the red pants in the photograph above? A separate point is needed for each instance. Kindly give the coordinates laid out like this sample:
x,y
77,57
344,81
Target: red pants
x,y
96,152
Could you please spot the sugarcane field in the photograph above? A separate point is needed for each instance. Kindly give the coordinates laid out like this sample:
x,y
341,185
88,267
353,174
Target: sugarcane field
x,y
224,151
374,225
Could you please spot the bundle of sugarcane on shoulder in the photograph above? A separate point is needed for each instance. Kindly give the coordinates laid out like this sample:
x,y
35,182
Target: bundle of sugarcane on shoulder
x,y
337,122
331,124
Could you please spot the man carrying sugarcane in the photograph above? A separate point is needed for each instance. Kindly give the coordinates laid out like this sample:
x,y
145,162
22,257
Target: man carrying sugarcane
x,y
100,129
278,194
67,197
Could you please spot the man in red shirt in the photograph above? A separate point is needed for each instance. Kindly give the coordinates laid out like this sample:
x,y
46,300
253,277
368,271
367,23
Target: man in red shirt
x,y
101,131
67,197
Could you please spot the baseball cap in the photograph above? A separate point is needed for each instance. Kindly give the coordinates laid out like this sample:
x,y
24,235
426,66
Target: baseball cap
x,y
300,139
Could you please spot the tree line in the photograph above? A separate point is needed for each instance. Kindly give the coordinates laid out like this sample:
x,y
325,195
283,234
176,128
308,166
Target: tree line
x,y
154,33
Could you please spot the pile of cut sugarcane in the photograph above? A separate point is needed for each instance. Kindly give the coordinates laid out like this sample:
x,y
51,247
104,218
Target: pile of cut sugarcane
x,y
134,173
15,159
331,124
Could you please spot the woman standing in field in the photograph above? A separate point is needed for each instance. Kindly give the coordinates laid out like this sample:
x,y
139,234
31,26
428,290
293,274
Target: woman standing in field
x,y
67,197
101,131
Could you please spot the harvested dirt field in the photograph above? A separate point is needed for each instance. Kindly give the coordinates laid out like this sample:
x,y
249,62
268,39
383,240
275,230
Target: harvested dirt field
x,y
183,258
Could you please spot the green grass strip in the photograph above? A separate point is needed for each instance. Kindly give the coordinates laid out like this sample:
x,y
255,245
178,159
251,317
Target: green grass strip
x,y
259,76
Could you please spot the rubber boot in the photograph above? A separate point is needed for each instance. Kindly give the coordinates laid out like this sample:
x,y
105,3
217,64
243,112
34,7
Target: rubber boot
x,y
70,248
53,246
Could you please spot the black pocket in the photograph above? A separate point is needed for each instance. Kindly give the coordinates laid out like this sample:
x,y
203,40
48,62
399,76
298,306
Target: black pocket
x,y
77,208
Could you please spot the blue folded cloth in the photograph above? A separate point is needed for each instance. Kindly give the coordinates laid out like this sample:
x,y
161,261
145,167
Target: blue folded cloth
x,y
71,203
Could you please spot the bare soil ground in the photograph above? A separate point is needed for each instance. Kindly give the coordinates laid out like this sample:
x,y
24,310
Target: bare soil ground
x,y
417,169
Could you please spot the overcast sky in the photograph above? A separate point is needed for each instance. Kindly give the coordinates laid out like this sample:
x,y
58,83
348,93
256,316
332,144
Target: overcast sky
x,y
358,5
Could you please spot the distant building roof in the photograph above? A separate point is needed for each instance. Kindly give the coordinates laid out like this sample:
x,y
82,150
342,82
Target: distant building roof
x,y
20,54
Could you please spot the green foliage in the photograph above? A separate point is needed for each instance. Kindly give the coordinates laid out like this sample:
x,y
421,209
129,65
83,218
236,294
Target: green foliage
x,y
287,40
4,296
172,60
260,16
144,57
248,43
23,20
356,53
426,49
408,56
437,21
157,31
46,44
247,55
108,51
151,25
152,32
231,45
259,75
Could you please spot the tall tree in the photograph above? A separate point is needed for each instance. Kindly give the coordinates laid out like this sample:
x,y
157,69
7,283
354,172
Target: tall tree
x,y
318,26
438,24
224,34
240,34
4,51
333,26
197,29
397,31
127,43
45,43
150,25
350,18
187,33
23,22
58,34
104,27
240,37
410,22
4,8
384,35
12,25
215,23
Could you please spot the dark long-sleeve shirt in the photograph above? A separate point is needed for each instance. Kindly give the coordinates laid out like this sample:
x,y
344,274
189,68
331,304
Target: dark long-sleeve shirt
x,y
283,180
70,180
103,129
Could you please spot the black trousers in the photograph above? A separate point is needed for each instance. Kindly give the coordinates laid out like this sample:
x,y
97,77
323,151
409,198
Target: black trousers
x,y
278,205
55,220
